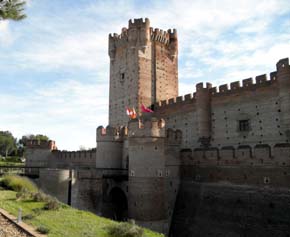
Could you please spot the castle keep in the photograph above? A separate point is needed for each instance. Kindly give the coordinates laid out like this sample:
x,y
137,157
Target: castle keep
x,y
143,68
214,162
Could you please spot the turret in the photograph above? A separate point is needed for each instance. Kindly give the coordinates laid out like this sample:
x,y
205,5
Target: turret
x,y
283,73
147,187
203,113
173,43
38,154
112,47
283,78
38,144
139,32
109,148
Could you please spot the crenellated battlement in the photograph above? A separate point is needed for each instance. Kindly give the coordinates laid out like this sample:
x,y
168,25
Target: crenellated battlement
x,y
188,98
146,127
79,155
37,144
283,65
165,37
132,24
111,133
255,155
283,73
118,40
139,22
248,84
200,86
129,35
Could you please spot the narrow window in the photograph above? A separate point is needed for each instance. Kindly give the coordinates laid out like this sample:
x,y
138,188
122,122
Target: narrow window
x,y
122,77
244,125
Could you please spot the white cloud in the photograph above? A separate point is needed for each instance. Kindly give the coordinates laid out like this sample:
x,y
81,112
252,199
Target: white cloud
x,y
68,112
84,51
6,37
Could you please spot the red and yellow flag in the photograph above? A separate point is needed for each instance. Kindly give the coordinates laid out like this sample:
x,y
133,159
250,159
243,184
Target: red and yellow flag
x,y
131,113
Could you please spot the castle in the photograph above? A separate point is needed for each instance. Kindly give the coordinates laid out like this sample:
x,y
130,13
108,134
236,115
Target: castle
x,y
215,162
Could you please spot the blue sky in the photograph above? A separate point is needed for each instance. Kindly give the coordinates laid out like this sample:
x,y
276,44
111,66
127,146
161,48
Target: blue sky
x,y
54,65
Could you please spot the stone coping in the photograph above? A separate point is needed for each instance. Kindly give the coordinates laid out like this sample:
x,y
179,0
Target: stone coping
x,y
26,228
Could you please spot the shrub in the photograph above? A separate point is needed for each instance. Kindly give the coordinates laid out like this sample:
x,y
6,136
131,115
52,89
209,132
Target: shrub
x,y
125,229
17,183
36,197
42,230
40,197
23,195
52,204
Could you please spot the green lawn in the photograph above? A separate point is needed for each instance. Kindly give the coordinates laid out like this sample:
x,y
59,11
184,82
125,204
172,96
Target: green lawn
x,y
65,222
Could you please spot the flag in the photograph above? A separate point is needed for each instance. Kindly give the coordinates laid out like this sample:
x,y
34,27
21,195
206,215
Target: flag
x,y
146,110
131,113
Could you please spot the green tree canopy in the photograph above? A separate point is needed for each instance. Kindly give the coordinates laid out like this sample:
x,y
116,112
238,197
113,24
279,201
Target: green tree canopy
x,y
12,9
39,137
7,143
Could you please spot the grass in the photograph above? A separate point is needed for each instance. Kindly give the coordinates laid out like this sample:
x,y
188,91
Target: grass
x,y
125,229
65,221
18,184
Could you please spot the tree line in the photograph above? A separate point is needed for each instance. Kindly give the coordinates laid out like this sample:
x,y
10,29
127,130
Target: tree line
x,y
11,146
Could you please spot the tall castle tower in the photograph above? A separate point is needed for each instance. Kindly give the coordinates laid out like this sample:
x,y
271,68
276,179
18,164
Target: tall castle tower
x,y
143,68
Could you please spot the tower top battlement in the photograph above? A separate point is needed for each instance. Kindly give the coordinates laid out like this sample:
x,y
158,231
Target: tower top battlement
x,y
146,32
107,134
37,144
146,127
138,22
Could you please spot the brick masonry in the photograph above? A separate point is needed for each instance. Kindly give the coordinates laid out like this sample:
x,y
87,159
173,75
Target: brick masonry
x,y
213,162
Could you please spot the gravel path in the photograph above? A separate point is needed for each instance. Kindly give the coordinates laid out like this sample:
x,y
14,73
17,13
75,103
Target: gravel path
x,y
8,229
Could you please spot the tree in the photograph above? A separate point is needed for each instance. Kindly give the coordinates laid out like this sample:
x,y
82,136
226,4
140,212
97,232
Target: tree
x,y
7,143
12,9
21,144
39,137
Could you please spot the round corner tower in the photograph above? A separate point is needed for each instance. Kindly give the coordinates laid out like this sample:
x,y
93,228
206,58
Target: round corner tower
x,y
147,182
143,68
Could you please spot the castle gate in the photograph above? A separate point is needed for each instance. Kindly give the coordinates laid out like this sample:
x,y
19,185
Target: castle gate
x,y
119,204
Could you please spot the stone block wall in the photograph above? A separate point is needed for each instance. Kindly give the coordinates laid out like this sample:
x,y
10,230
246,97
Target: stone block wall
x,y
87,190
210,209
55,182
66,159
263,104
